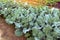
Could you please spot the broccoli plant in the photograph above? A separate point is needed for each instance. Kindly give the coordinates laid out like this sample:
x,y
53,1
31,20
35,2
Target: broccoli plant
x,y
35,23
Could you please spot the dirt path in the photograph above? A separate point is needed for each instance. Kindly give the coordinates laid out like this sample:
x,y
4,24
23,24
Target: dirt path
x,y
7,31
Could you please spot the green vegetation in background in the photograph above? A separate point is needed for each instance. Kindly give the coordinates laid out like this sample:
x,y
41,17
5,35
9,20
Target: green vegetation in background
x,y
5,0
52,1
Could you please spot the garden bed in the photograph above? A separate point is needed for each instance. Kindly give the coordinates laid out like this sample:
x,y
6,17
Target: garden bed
x,y
14,31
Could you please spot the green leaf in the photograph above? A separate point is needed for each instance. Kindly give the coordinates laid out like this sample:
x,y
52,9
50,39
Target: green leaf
x,y
9,21
47,29
35,31
18,32
31,38
27,35
40,34
18,25
49,37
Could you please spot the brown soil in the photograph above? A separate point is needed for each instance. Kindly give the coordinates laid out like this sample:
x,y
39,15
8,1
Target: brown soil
x,y
7,31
